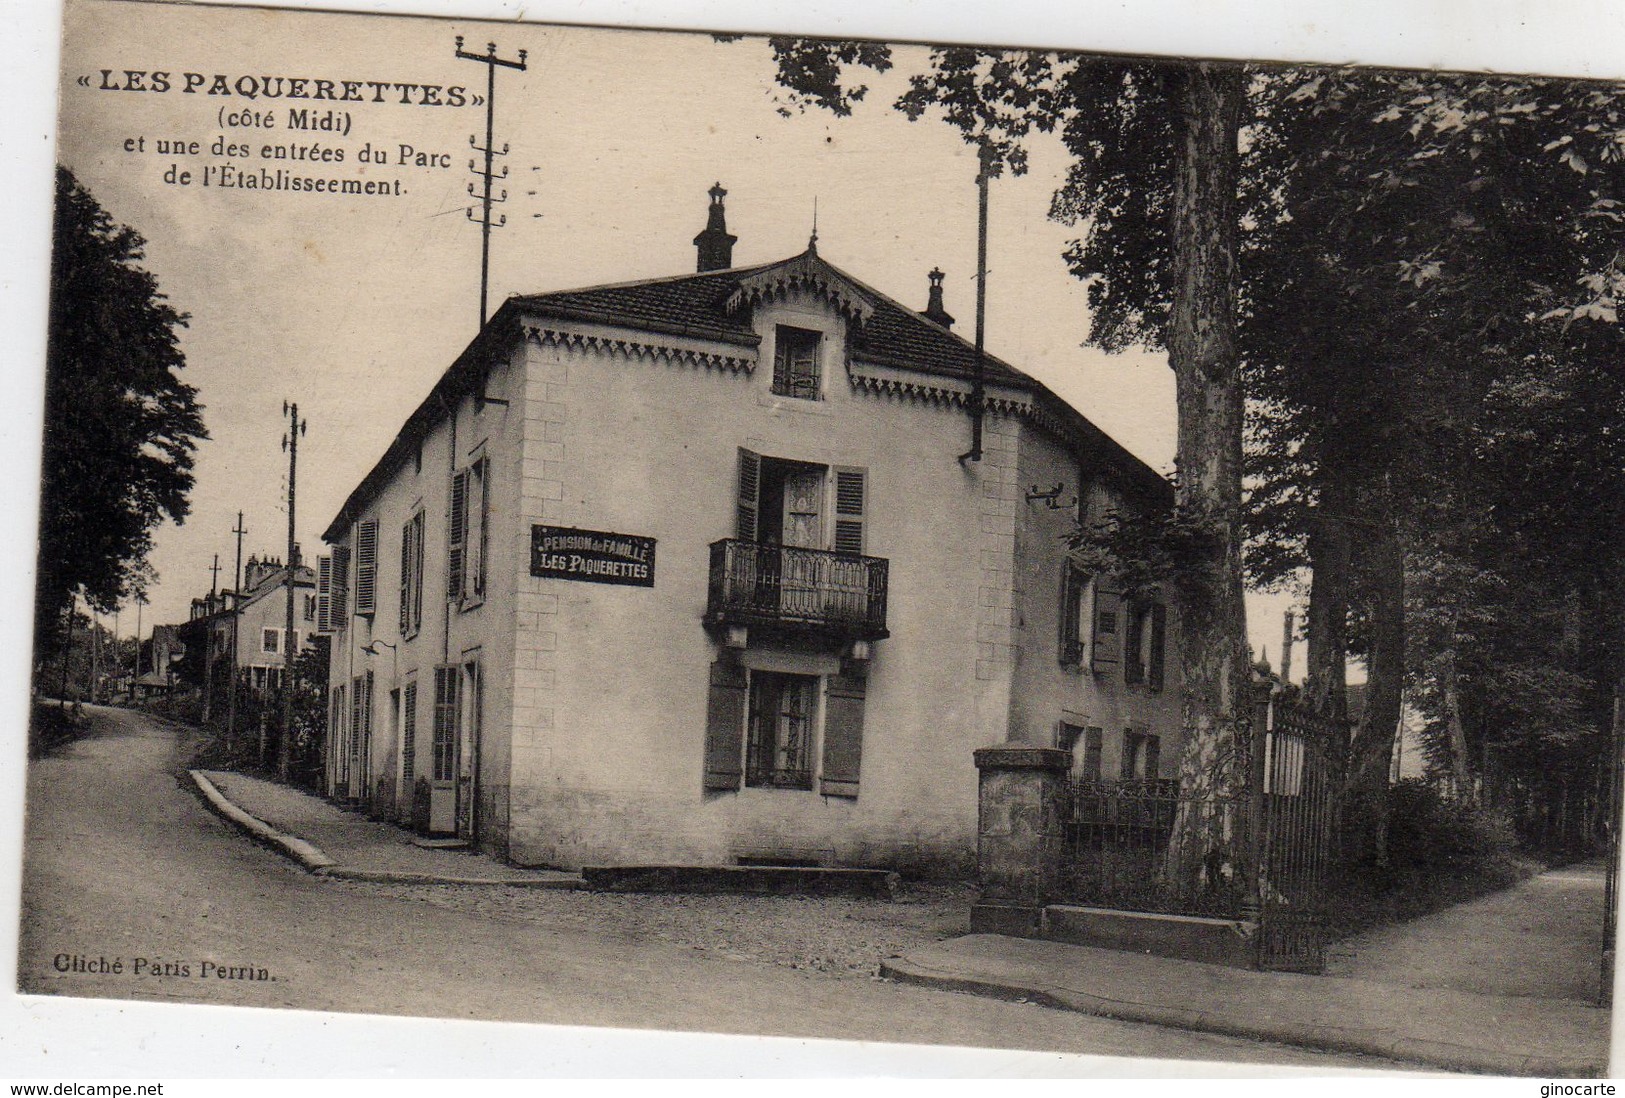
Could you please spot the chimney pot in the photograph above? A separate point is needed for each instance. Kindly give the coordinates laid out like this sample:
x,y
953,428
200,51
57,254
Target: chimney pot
x,y
933,308
715,244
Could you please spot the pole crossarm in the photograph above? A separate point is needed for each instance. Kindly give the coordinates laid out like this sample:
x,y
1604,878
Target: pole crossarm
x,y
491,61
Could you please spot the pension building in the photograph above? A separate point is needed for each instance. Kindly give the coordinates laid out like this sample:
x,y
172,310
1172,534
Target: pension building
x,y
694,571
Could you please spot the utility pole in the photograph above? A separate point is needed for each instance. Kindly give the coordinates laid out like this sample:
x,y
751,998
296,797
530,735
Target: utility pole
x,y
1287,637
290,443
236,598
140,601
490,60
978,394
208,639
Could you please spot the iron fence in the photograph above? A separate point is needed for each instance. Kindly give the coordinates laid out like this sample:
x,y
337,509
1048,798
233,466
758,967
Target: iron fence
x,y
1257,849
1118,835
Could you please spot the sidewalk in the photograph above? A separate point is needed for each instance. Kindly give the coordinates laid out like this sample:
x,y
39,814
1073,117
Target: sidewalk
x,y
331,841
1540,938
1502,985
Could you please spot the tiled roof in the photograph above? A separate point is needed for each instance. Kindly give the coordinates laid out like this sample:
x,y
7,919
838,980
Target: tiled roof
x,y
699,303
713,305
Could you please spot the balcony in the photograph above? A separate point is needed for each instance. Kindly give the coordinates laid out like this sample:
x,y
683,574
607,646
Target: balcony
x,y
806,590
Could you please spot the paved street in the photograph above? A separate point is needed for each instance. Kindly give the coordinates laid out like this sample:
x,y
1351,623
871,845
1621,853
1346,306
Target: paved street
x,y
126,865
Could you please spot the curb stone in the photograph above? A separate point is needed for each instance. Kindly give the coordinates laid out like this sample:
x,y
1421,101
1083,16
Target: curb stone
x,y
312,859
1369,1041
318,862
391,876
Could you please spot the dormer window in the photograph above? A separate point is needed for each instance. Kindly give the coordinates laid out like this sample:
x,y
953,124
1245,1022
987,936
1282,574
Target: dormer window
x,y
795,363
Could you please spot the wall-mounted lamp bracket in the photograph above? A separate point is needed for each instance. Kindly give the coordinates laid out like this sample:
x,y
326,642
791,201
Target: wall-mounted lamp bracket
x,y
1051,498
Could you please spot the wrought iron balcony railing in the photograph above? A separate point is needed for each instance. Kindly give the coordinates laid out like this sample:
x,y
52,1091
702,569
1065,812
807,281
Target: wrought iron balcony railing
x,y
840,594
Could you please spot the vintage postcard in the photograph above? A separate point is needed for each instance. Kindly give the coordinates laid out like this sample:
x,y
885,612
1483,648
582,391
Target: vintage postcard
x,y
771,536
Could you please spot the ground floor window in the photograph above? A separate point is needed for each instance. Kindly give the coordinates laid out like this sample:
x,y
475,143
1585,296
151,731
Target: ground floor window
x,y
444,763
1141,755
779,747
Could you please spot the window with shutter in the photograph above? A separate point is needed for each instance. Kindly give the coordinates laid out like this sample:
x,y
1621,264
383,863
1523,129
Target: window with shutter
x,y
725,726
478,537
1137,635
409,734
444,746
324,594
366,568
456,534
1093,738
851,491
341,588
795,363
419,553
1141,756
750,487
843,735
1105,646
1074,613
404,612
1159,644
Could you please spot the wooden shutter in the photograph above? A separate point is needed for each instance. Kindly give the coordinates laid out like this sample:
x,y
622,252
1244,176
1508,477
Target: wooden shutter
x,y
725,726
1153,757
843,735
851,492
1159,643
366,568
404,618
1136,620
456,533
750,486
341,587
1092,742
324,594
1072,585
409,734
1106,646
418,551
482,547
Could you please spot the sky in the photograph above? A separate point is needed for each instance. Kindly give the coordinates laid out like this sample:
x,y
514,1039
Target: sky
x,y
352,308
354,313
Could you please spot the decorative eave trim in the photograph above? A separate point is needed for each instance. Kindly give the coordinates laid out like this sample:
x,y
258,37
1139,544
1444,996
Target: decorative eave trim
x,y
932,389
804,272
634,349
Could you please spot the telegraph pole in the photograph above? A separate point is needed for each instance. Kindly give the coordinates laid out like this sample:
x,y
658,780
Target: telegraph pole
x,y
490,60
290,443
978,393
236,598
208,640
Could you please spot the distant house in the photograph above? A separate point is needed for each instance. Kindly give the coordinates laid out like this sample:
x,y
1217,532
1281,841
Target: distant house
x,y
693,570
260,623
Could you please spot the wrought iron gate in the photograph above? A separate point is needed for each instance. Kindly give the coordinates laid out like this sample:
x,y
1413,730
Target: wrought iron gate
x,y
1295,790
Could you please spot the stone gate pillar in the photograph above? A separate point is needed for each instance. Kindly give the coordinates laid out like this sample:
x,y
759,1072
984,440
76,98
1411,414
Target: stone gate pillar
x,y
1020,835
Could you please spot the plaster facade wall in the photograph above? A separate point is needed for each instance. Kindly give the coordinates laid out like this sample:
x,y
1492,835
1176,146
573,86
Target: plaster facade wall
x,y
1048,691
611,682
449,632
270,611
592,746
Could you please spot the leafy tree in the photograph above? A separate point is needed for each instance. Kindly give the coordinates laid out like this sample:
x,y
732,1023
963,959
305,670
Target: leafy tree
x,y
1155,177
1400,248
120,426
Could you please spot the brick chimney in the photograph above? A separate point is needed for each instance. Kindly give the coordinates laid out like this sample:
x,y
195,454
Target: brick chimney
x,y
716,244
933,308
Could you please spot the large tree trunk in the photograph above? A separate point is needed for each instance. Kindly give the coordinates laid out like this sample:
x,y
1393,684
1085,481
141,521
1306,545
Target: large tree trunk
x,y
1364,806
1205,852
1330,561
1451,688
